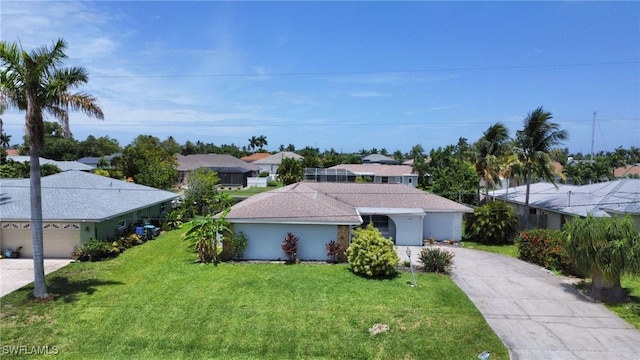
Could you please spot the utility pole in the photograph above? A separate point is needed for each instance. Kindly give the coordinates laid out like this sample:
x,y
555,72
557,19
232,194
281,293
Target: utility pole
x,y
593,131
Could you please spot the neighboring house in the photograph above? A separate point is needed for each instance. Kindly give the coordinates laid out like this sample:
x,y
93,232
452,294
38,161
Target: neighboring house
x,y
320,212
255,157
271,163
12,152
62,165
379,159
383,174
76,207
629,171
93,161
550,206
231,170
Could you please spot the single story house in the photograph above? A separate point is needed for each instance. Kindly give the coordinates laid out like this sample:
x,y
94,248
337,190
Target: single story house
x,y
320,212
374,173
271,163
550,206
231,170
76,207
62,165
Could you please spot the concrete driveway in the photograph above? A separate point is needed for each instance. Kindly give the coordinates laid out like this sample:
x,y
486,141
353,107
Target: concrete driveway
x,y
535,314
16,273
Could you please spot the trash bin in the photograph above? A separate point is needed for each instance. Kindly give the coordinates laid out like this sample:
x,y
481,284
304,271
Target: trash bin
x,y
8,253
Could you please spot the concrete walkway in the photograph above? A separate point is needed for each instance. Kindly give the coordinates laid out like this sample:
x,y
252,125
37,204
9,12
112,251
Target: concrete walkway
x,y
16,273
535,314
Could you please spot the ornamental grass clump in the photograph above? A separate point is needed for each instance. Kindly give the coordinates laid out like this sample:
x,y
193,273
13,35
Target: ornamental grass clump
x,y
371,254
436,260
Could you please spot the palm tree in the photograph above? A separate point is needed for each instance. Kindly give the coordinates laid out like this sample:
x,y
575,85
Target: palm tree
x,y
261,142
35,82
419,163
534,143
253,142
490,151
604,248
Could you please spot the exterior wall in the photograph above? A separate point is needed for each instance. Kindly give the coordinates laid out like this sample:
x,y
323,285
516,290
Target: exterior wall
x,y
59,239
411,180
442,226
408,229
265,240
257,182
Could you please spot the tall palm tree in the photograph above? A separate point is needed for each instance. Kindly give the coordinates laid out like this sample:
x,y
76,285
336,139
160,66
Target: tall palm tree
x,y
534,143
253,142
35,82
490,151
261,142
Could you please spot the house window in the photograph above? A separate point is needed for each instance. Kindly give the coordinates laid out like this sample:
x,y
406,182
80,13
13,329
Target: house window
x,y
532,211
122,224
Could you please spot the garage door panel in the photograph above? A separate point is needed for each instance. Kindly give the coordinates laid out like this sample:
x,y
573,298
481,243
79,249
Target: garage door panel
x,y
59,239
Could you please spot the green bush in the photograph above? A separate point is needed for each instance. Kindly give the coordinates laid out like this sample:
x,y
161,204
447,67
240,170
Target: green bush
x,y
492,224
436,260
272,183
371,254
95,250
544,247
239,243
264,174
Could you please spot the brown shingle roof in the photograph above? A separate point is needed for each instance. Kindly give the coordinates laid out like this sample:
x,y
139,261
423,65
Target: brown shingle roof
x,y
336,202
196,161
627,171
255,157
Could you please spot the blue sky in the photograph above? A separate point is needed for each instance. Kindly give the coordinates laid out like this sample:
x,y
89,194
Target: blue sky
x,y
344,75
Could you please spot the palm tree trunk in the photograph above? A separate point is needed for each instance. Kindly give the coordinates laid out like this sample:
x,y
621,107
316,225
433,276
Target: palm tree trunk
x,y
39,285
527,179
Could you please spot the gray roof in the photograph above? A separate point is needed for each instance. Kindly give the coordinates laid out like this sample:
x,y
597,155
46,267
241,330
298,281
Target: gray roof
x,y
276,159
94,160
619,196
76,195
218,162
62,165
340,203
380,159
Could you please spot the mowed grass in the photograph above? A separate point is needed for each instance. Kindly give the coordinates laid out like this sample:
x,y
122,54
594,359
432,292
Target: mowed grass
x,y
154,302
509,250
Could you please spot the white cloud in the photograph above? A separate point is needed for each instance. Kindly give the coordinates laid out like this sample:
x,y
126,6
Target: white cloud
x,y
368,94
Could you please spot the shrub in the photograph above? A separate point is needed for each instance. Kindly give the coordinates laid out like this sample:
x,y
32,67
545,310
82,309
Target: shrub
x,y
272,183
544,247
492,224
239,244
130,240
263,174
290,247
436,260
371,254
95,250
335,250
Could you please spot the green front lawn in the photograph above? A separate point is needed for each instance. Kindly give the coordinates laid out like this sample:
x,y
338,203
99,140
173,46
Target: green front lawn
x,y
154,302
509,250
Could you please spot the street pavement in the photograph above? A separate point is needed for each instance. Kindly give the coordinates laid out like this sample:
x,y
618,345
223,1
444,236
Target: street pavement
x,y
534,313
16,273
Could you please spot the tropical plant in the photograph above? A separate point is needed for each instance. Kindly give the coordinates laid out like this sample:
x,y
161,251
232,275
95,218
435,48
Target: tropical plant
x,y
489,154
290,247
492,224
546,248
371,254
239,244
534,142
420,165
36,83
203,237
335,251
290,171
436,260
605,249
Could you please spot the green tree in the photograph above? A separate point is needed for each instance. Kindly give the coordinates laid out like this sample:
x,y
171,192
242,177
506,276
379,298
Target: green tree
x,y
489,153
36,83
371,254
201,189
290,171
534,143
451,176
98,147
605,249
148,163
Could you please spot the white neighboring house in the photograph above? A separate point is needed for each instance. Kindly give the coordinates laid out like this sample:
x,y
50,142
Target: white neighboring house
x,y
551,206
271,163
76,206
320,212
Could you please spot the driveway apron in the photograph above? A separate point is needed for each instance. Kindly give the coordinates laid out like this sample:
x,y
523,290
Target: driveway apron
x,y
16,273
535,314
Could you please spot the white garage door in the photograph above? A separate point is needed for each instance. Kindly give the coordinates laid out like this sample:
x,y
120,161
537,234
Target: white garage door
x,y
60,239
